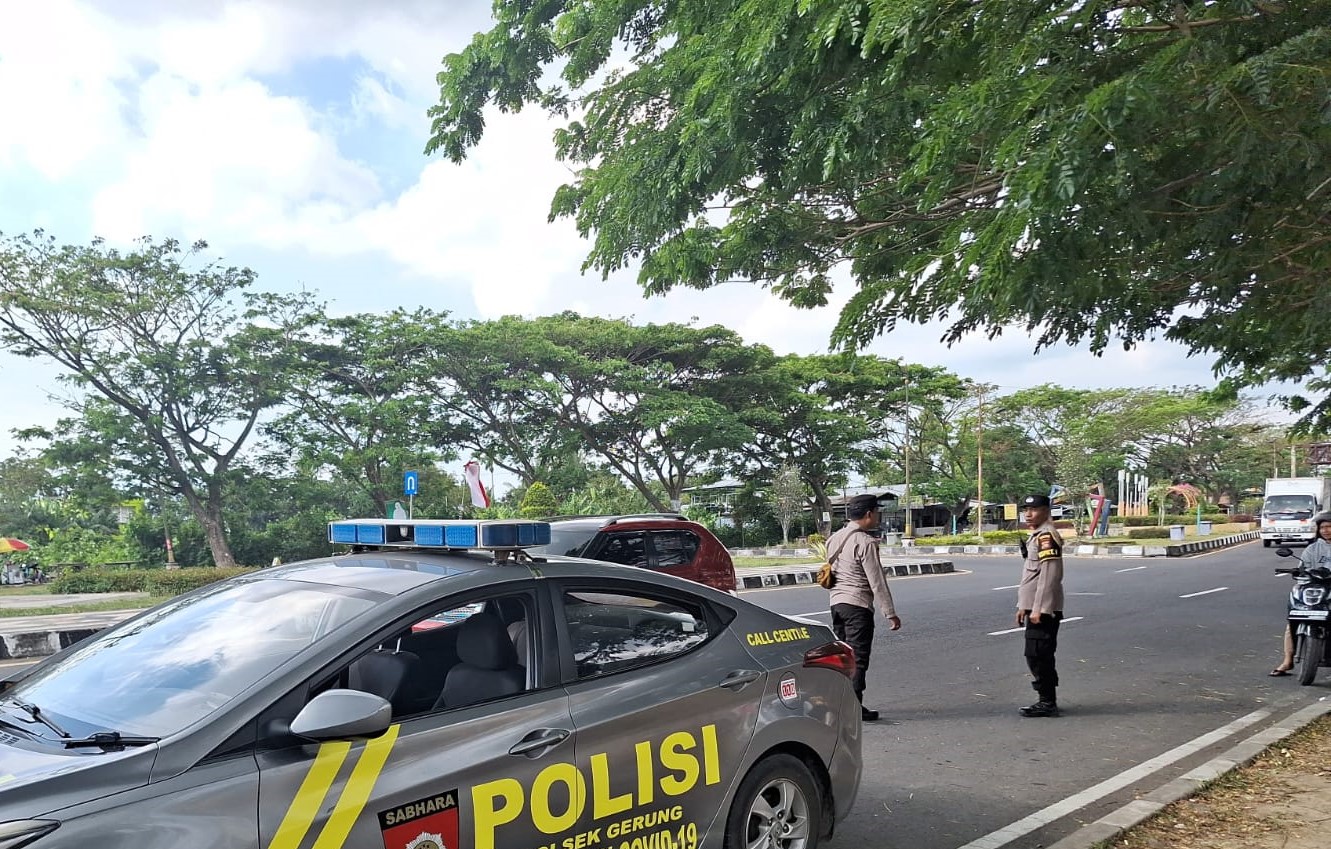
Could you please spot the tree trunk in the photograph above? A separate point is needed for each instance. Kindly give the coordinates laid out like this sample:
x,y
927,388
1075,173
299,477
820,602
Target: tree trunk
x,y
209,516
216,535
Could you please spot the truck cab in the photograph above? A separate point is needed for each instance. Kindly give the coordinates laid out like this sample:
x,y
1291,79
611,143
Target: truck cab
x,y
1289,507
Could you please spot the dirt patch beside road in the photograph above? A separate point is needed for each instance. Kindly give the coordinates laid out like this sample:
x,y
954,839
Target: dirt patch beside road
x,y
1282,800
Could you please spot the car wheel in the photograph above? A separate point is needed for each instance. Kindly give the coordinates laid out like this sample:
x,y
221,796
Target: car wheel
x,y
777,806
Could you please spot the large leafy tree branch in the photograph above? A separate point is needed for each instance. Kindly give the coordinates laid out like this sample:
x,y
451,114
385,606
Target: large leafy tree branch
x,y
1106,171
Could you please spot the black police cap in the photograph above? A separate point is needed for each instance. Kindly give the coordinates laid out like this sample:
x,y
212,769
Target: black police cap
x,y
1035,501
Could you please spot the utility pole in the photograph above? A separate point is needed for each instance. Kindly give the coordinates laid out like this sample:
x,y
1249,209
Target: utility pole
x,y
979,464
910,527
1292,471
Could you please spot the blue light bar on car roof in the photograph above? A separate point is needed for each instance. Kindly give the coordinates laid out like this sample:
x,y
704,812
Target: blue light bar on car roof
x,y
439,533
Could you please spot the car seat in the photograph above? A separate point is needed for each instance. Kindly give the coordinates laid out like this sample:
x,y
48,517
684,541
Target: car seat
x,y
387,674
489,665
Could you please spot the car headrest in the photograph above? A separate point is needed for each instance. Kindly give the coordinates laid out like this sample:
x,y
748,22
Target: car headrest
x,y
483,642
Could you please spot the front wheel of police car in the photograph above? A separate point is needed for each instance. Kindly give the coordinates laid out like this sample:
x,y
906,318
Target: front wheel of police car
x,y
778,806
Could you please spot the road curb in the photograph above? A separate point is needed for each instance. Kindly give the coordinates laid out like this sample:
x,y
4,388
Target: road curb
x,y
1142,809
757,577
1182,550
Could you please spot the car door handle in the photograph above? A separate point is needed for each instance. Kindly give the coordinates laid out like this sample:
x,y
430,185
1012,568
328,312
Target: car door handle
x,y
535,743
740,678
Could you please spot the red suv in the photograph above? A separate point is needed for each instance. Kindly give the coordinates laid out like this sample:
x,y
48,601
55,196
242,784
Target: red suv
x,y
662,542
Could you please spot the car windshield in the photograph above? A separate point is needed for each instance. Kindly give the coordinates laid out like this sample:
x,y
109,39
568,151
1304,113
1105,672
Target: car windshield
x,y
188,657
1291,504
568,540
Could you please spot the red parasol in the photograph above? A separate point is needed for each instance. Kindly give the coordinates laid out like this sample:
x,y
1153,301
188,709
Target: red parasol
x,y
11,544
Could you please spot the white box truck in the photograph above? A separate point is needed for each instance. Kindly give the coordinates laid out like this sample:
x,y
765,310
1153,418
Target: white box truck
x,y
1289,508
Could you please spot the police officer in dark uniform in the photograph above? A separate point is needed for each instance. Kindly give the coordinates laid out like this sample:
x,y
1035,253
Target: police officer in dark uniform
x,y
1040,602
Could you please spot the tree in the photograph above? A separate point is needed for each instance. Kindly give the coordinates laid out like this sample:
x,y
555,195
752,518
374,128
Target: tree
x,y
538,502
803,411
1088,171
789,498
362,400
177,363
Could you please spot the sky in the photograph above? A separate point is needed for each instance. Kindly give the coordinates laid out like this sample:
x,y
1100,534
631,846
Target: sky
x,y
289,135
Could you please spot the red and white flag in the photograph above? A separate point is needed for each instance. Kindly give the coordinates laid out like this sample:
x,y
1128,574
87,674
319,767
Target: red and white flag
x,y
472,472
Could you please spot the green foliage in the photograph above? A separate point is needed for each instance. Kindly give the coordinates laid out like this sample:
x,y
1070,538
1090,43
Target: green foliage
x,y
538,502
990,538
75,544
1087,172
162,582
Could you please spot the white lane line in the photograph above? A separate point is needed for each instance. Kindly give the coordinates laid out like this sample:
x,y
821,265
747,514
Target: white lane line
x,y
1013,587
1127,778
809,617
1084,594
1205,592
1015,630
1133,569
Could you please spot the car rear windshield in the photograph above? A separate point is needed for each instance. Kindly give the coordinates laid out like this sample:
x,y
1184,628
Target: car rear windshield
x,y
568,540
188,657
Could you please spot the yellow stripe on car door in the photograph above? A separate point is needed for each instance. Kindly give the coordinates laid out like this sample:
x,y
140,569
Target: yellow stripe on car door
x,y
357,791
305,807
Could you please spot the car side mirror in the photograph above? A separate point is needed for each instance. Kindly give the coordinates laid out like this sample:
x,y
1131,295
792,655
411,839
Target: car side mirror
x,y
1284,552
340,714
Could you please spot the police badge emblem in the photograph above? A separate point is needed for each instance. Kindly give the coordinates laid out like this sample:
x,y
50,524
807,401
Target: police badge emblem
x,y
428,841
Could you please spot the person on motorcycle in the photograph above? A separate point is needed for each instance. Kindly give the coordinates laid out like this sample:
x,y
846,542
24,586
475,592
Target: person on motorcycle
x,y
1316,553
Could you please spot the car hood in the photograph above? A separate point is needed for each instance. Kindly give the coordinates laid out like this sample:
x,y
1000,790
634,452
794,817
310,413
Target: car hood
x,y
35,780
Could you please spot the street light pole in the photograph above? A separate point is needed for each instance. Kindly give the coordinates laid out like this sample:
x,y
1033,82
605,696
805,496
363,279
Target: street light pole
x,y
910,527
979,465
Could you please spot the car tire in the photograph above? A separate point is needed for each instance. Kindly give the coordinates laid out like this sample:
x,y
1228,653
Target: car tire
x,y
1266,543
778,806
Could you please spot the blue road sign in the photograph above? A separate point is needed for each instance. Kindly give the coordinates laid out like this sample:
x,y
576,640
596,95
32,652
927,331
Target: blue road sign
x,y
410,482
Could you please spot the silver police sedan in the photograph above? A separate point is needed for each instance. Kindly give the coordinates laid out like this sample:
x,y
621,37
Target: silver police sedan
x,y
436,688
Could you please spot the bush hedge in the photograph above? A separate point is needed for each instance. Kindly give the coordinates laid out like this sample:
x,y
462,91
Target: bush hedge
x,y
990,538
1178,519
165,582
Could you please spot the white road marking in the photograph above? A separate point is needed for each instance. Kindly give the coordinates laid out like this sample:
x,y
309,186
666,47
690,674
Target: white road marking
x,y
1127,778
1205,592
1133,569
1085,594
1023,628
1013,587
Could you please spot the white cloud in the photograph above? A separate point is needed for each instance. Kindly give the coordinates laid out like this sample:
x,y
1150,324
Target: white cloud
x,y
61,67
233,161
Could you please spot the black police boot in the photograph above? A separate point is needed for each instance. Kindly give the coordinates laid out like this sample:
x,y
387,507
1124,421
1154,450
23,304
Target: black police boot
x,y
1041,708
868,715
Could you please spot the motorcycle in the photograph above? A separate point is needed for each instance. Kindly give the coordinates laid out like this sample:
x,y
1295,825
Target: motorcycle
x,y
1309,616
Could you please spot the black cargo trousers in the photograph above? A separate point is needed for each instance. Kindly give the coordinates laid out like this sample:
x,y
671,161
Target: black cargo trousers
x,y
853,625
1041,644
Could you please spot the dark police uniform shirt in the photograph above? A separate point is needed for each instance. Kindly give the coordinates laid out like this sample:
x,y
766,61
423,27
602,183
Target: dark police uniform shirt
x,y
1041,587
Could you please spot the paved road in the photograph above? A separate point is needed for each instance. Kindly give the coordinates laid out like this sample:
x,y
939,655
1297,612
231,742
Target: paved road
x,y
1165,651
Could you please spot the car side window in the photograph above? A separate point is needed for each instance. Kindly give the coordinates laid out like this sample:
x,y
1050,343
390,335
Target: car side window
x,y
674,549
454,657
611,632
630,549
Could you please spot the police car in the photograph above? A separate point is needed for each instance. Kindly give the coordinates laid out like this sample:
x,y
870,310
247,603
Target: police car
x,y
556,703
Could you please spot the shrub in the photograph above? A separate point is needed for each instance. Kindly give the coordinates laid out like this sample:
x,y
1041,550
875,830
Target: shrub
x,y
990,538
1147,533
153,581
